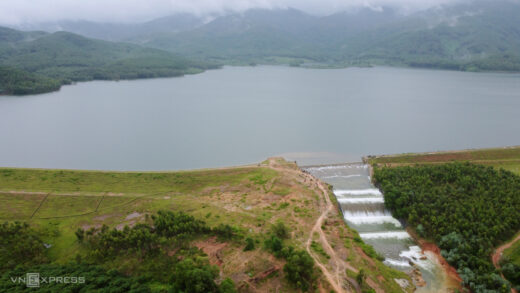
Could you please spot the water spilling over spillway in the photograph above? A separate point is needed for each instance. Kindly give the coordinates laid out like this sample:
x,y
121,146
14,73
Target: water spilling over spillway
x,y
363,209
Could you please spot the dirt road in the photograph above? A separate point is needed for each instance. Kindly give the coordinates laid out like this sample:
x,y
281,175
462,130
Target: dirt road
x,y
335,278
498,254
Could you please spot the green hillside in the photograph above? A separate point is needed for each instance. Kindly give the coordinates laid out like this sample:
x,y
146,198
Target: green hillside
x,y
36,62
480,36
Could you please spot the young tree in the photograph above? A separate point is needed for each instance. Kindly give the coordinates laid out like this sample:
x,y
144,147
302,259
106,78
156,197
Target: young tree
x,y
280,230
299,270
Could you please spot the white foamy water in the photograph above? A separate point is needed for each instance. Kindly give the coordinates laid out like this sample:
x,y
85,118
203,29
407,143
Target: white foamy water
x,y
389,234
340,176
414,255
350,166
398,263
366,213
354,200
343,192
373,220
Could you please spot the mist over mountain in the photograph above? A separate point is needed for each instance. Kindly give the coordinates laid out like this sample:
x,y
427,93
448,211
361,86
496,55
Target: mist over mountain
x,y
119,31
468,35
27,12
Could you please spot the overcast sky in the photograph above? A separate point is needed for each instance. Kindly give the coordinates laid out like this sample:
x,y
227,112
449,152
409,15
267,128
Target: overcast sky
x,y
15,12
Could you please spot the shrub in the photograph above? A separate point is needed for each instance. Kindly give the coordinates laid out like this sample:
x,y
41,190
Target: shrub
x,y
273,244
250,244
110,243
171,224
299,270
19,244
280,230
227,286
195,276
225,232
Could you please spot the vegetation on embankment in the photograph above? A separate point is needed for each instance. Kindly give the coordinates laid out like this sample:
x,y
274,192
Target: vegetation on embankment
x,y
216,224
466,209
510,262
38,62
513,252
506,158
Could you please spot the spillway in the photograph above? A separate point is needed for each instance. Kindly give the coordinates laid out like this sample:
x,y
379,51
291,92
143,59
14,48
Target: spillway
x,y
362,205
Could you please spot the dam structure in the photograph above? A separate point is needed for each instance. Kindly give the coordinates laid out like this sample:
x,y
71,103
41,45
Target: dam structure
x,y
363,208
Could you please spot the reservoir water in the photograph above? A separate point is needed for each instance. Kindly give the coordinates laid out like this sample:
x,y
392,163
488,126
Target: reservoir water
x,y
363,210
241,115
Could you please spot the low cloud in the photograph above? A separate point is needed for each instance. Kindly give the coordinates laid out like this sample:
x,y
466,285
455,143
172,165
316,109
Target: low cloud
x,y
16,12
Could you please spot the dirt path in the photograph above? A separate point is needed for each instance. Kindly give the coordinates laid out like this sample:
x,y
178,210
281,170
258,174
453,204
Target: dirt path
x,y
498,254
334,277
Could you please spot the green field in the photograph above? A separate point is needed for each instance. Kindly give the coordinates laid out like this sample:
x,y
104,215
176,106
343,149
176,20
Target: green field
x,y
19,206
507,158
65,200
123,182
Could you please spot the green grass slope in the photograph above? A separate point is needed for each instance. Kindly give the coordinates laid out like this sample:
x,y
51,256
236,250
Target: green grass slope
x,y
507,158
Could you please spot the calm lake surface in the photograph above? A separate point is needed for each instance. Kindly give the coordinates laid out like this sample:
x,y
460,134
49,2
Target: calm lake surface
x,y
241,115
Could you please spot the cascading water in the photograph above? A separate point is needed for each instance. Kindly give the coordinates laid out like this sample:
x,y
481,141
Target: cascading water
x,y
363,209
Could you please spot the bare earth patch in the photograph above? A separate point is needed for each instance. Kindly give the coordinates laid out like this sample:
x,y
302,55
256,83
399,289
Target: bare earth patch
x,y
133,216
102,217
213,249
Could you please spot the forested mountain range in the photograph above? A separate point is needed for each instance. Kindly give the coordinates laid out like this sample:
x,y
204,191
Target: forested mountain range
x,y
472,35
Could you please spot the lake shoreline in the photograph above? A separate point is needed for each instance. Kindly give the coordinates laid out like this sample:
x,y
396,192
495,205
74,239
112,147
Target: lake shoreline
x,y
72,83
221,66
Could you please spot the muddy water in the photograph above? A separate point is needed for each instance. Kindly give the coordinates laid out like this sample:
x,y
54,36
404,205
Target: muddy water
x,y
363,209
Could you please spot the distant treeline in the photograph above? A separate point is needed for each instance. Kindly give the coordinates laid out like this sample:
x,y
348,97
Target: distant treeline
x,y
505,63
466,209
19,82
